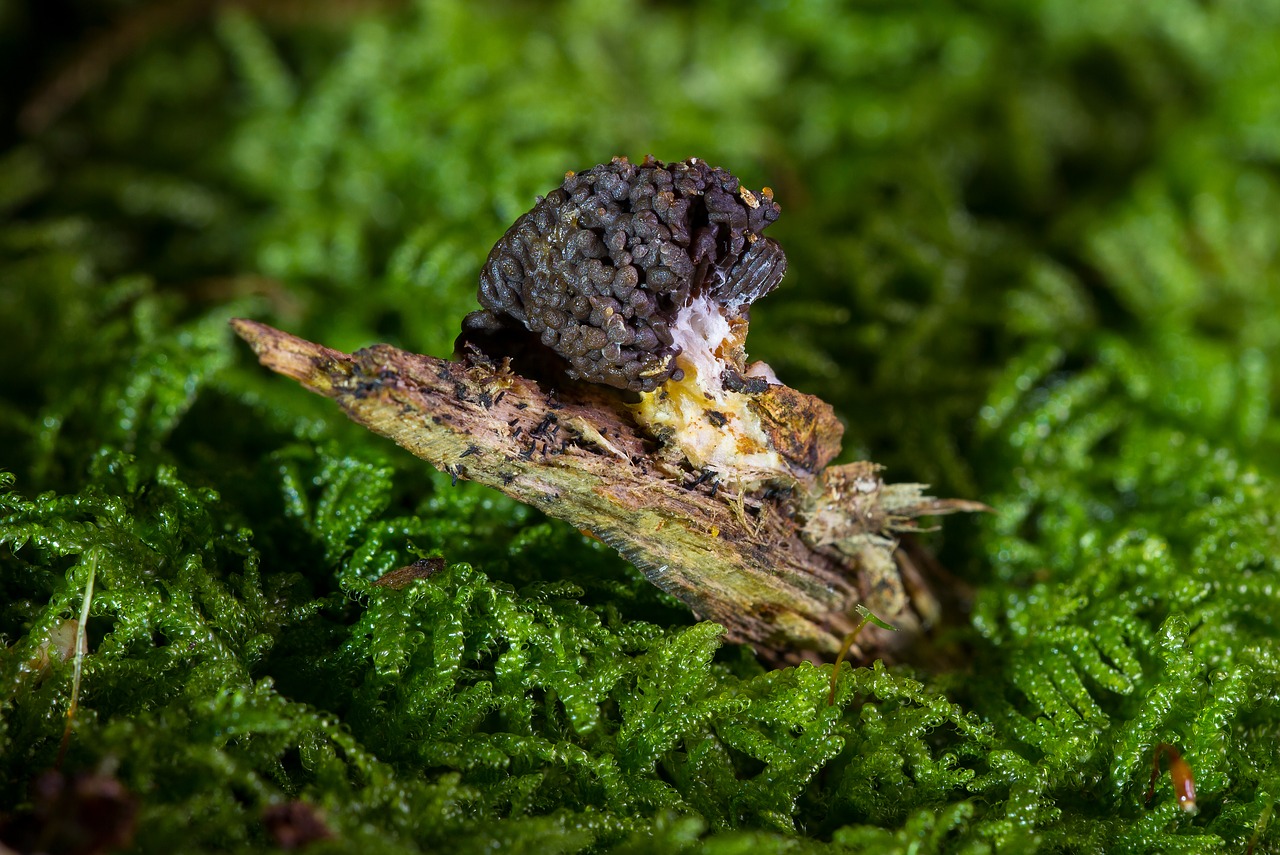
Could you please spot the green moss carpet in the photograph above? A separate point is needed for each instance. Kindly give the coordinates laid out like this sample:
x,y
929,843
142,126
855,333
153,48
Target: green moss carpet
x,y
1034,261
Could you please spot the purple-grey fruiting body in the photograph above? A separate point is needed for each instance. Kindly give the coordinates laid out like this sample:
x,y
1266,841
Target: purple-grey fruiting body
x,y
599,268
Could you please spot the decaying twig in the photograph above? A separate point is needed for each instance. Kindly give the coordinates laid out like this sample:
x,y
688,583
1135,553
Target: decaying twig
x,y
781,569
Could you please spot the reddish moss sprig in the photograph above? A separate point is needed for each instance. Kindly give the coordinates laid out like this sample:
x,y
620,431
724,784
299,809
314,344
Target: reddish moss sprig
x,y
1180,775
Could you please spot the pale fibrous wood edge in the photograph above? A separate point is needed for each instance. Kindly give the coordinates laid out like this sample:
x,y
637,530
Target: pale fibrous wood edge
x,y
575,453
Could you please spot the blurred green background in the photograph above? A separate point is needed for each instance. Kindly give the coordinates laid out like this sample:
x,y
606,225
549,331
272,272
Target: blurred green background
x,y
1034,260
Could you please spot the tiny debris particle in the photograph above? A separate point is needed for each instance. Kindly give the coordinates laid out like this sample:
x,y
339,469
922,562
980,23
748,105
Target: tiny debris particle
x,y
87,813
367,387
295,824
478,358
735,382
592,435
705,476
60,643
403,577
548,427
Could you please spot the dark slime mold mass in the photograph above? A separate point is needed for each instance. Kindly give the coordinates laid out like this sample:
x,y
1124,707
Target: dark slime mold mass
x,y
600,267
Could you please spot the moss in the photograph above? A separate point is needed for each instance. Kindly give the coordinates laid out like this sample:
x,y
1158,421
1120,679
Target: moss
x,y
1032,261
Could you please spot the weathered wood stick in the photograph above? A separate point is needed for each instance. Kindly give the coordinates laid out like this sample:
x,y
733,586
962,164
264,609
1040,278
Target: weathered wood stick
x,y
576,454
